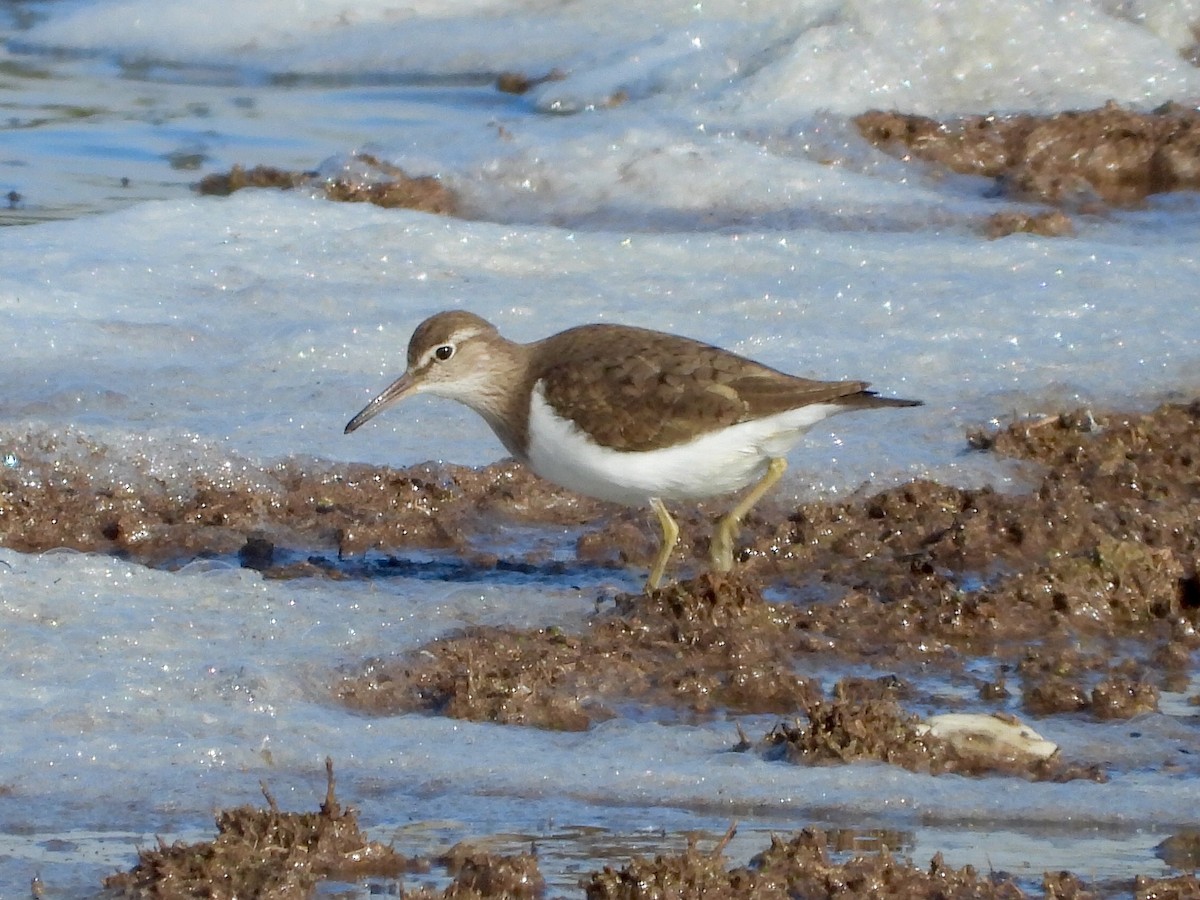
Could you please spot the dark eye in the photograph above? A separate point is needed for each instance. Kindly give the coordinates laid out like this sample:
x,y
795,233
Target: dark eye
x,y
444,352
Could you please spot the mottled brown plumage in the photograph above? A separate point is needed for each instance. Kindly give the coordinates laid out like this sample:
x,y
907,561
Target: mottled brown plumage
x,y
626,414
636,389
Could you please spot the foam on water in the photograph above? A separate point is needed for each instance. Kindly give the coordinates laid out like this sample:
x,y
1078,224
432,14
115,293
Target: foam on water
x,y
213,645
762,60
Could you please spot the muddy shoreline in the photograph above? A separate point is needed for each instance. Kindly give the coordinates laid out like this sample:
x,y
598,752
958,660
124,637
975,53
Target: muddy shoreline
x,y
1078,596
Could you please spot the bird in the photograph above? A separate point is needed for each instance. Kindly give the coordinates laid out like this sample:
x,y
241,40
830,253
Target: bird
x,y
627,414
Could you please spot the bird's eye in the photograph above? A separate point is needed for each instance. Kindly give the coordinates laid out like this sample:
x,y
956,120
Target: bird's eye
x,y
444,352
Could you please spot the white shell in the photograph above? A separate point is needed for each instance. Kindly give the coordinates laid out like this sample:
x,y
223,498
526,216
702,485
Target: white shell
x,y
991,735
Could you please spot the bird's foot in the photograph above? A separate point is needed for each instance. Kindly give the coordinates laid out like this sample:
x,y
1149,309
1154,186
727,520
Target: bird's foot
x,y
720,550
670,535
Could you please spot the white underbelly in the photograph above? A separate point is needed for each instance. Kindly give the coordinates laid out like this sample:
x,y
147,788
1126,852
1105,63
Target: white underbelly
x,y
716,463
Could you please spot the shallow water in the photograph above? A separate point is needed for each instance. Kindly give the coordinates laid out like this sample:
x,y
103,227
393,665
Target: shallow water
x,y
725,197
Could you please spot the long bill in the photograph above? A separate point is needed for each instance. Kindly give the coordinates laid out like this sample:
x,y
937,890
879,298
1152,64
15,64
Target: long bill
x,y
394,393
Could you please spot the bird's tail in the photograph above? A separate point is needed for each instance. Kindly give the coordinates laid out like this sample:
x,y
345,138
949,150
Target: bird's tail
x,y
871,400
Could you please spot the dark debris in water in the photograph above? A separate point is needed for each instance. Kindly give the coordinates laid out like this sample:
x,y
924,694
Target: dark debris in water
x,y
519,83
1049,223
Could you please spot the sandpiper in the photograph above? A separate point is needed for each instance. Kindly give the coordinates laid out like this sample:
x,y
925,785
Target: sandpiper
x,y
627,414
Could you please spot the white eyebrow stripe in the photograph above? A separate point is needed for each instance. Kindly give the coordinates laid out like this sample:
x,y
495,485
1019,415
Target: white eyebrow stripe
x,y
462,334
455,339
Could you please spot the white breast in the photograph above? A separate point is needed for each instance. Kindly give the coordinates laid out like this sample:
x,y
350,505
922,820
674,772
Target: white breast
x,y
716,463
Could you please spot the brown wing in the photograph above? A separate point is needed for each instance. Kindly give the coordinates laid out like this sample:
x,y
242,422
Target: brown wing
x,y
607,379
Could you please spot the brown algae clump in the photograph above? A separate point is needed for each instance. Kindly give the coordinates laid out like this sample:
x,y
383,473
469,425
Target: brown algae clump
x,y
386,185
799,867
263,853
1108,155
709,642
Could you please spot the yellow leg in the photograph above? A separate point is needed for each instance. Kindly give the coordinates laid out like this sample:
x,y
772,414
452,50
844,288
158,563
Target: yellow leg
x,y
721,549
670,534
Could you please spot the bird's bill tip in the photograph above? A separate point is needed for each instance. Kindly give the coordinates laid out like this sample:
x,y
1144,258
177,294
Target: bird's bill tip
x,y
395,392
